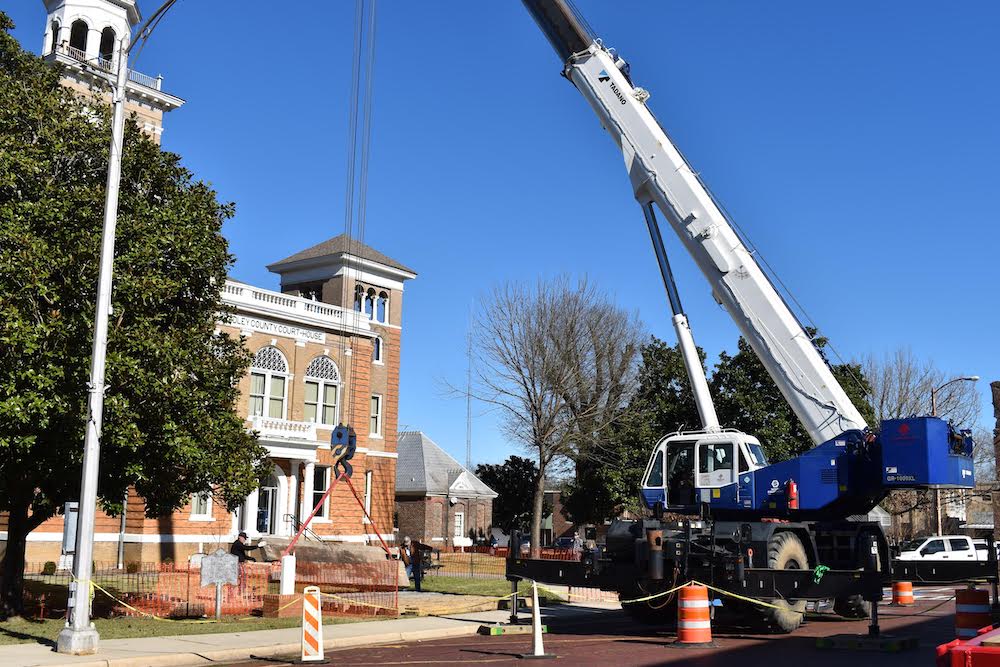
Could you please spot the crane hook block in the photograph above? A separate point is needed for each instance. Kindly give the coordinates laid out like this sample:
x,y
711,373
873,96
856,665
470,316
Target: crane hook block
x,y
343,443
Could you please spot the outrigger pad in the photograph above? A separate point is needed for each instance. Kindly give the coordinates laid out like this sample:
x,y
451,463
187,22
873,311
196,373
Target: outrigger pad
x,y
884,643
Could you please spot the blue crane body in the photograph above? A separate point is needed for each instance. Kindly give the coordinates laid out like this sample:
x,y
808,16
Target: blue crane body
x,y
760,524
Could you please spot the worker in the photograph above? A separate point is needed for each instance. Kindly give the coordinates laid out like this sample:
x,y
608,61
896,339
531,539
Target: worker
x,y
406,555
240,548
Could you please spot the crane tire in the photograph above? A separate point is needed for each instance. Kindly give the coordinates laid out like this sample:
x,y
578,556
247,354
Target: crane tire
x,y
785,552
852,606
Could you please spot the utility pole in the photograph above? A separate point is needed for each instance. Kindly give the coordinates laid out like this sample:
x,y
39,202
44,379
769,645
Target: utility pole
x,y
995,387
79,636
468,402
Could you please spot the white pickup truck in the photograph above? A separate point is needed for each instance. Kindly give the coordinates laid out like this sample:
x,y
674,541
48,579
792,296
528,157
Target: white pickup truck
x,y
945,547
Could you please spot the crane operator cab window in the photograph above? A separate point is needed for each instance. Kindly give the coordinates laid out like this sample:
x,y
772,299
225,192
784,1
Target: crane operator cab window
x,y
716,464
680,474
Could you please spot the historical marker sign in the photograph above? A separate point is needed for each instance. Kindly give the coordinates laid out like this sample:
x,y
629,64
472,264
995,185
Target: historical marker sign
x,y
220,568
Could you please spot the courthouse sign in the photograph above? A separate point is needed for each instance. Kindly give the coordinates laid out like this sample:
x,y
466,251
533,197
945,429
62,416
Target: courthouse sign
x,y
245,323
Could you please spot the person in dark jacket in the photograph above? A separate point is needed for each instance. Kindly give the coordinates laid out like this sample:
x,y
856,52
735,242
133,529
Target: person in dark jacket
x,y
240,548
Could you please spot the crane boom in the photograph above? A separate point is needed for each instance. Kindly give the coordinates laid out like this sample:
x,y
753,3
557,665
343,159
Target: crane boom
x,y
660,174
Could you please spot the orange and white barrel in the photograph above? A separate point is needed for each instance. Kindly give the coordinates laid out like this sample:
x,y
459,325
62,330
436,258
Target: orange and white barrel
x,y
972,612
902,593
694,622
312,624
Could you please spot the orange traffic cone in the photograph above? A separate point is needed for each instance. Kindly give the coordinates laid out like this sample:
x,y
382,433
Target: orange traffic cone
x,y
694,622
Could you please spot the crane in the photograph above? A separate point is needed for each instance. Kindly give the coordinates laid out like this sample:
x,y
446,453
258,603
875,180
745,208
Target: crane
x,y
721,473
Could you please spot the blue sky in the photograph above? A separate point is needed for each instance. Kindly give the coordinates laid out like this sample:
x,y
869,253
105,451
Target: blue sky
x,y
855,142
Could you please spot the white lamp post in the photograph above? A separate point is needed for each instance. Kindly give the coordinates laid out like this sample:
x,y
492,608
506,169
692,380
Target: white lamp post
x,y
80,637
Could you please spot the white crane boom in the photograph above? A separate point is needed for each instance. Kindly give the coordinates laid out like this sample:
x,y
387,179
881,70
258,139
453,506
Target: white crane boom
x,y
661,175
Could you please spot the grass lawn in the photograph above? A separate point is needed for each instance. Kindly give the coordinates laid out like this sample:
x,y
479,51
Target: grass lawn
x,y
22,631
467,586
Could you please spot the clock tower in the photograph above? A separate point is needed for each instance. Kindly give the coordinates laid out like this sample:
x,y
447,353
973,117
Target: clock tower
x,y
87,38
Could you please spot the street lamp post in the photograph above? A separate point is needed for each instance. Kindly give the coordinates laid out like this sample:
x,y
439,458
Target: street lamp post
x,y
937,492
79,636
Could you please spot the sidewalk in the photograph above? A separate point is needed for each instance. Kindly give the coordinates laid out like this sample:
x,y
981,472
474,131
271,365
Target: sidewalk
x,y
185,650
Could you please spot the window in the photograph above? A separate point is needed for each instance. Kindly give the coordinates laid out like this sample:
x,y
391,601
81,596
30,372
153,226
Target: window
x,y
459,524
322,391
321,480
743,462
377,350
55,36
370,303
655,477
376,425
933,547
107,49
382,311
201,506
78,36
368,497
715,457
359,296
958,545
268,383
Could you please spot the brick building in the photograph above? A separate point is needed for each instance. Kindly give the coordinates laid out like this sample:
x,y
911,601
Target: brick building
x,y
326,350
316,363
438,501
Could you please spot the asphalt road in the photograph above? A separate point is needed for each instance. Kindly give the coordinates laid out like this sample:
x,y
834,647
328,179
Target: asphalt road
x,y
583,636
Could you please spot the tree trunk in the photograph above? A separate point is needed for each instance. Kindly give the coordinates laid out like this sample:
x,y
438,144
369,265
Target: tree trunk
x,y
536,513
12,582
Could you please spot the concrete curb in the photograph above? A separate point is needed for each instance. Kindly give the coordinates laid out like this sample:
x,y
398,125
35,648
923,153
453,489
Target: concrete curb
x,y
273,650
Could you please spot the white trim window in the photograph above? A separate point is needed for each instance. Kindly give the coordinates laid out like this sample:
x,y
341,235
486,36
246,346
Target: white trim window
x,y
201,507
368,497
378,350
321,480
459,524
376,416
322,391
268,383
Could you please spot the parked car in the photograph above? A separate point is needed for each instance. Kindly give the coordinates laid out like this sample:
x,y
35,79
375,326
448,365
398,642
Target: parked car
x,y
943,547
564,543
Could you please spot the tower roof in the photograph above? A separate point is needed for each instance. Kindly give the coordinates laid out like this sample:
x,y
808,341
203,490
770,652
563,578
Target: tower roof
x,y
338,245
131,8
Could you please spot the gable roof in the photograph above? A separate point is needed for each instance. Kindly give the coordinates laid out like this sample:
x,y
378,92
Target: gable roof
x,y
423,468
339,245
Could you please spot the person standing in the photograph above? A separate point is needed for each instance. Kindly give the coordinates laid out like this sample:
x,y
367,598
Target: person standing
x,y
406,555
239,548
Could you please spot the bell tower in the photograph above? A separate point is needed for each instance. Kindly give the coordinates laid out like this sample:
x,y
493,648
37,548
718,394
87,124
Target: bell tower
x,y
87,38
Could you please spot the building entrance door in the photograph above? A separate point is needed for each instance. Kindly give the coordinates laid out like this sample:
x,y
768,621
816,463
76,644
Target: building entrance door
x,y
266,508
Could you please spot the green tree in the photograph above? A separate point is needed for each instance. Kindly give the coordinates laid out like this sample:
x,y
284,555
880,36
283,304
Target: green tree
x,y
608,482
748,399
169,427
514,481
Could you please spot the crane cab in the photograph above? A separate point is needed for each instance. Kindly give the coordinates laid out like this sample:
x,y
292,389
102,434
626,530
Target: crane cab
x,y
690,468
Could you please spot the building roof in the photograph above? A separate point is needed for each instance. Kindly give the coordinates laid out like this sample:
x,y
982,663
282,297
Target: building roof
x,y
339,245
424,469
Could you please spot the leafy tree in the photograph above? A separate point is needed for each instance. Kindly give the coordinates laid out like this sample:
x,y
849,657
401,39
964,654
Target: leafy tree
x,y
608,483
514,480
169,428
748,399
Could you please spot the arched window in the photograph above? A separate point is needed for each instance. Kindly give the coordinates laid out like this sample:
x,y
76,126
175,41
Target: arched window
x,y
107,51
378,350
382,312
55,36
268,383
370,303
359,297
322,391
78,35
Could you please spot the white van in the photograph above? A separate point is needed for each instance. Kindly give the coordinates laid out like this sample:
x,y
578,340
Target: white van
x,y
942,547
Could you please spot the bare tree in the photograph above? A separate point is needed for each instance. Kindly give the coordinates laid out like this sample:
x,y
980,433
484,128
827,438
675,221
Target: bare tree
x,y
557,361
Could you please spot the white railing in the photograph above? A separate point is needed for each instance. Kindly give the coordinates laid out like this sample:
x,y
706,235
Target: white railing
x,y
108,65
283,428
236,294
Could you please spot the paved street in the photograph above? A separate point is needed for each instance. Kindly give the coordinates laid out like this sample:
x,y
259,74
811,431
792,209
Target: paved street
x,y
607,636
